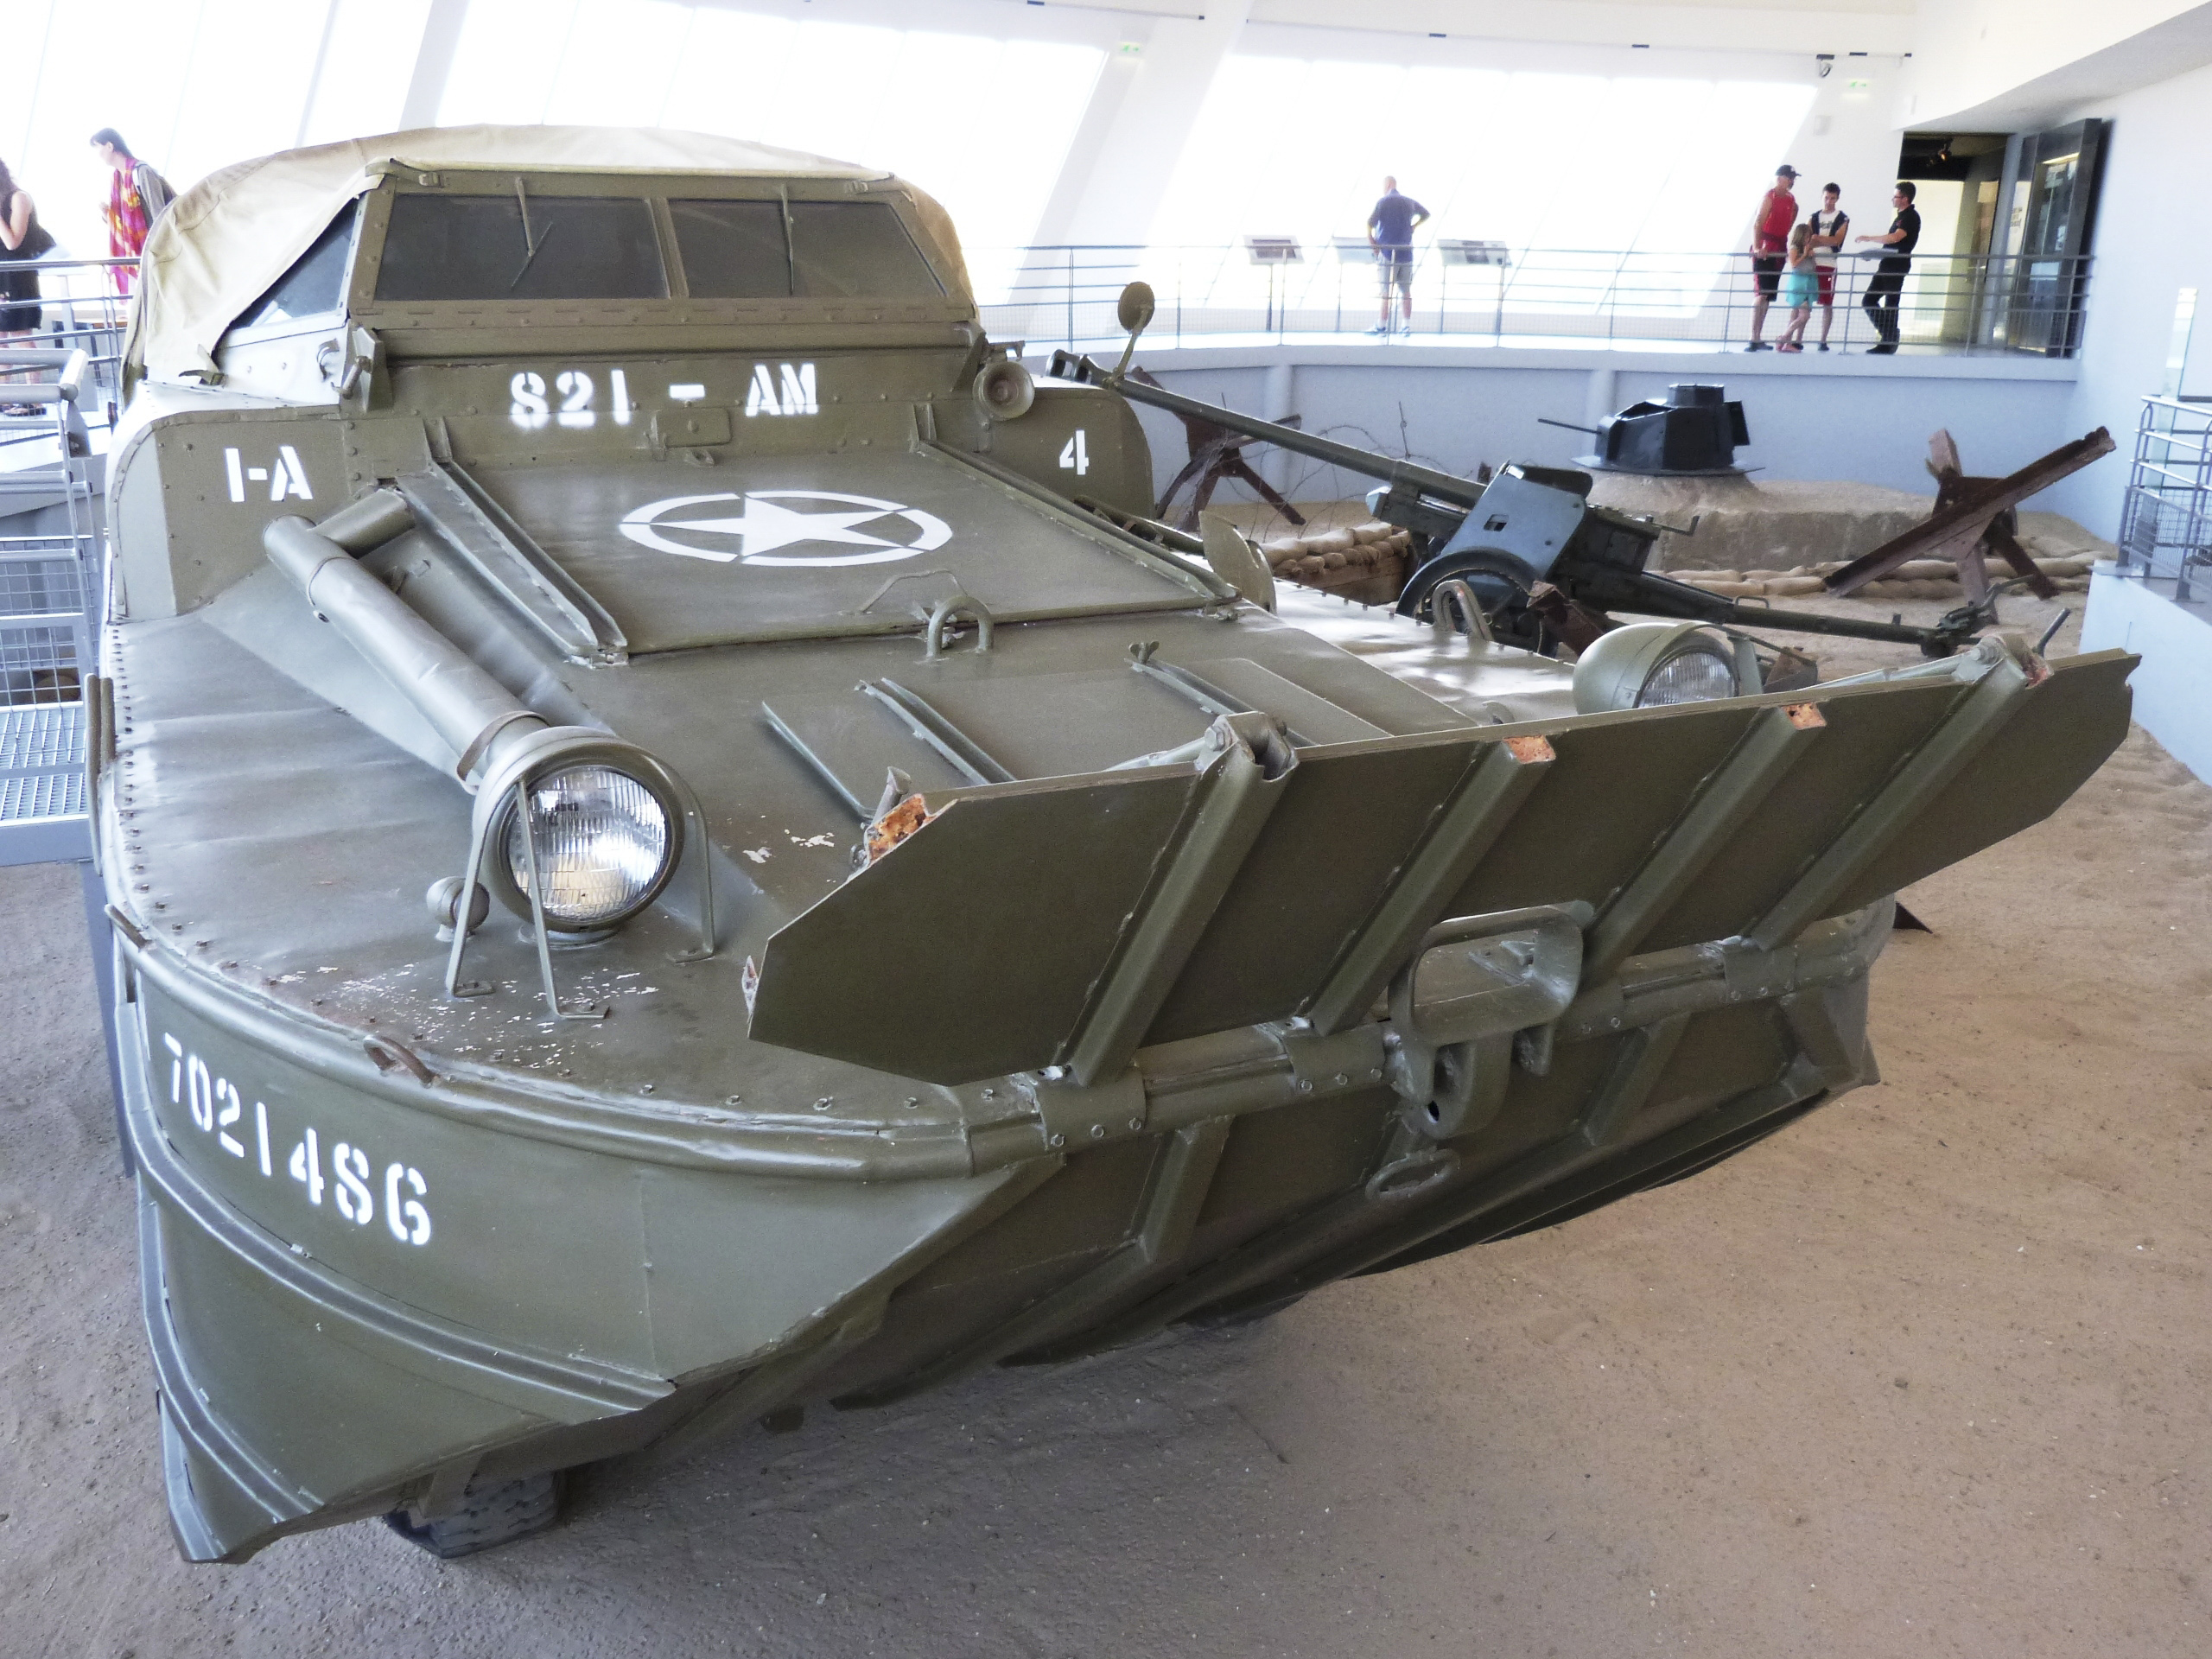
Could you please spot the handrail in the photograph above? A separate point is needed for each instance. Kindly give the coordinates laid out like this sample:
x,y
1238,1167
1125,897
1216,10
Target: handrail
x,y
1064,292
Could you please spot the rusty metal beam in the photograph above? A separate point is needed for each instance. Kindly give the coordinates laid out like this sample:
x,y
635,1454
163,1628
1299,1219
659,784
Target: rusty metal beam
x,y
1965,524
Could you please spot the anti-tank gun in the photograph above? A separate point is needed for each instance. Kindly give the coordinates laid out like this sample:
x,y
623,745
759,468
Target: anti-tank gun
x,y
1545,567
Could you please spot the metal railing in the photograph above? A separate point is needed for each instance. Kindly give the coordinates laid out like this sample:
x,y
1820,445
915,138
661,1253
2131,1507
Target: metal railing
x,y
1952,303
82,308
2166,526
49,597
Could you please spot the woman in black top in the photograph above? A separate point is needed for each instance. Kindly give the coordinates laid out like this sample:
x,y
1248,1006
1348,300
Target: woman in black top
x,y
22,237
1885,290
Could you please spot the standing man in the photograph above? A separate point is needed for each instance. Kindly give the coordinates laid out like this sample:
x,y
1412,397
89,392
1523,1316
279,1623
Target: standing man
x,y
1770,228
1390,233
1885,290
1829,227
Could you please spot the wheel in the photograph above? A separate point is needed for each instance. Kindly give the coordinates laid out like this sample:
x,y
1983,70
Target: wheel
x,y
493,1513
1500,583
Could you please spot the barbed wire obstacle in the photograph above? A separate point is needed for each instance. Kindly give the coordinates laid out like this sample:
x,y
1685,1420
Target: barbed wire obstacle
x,y
1217,454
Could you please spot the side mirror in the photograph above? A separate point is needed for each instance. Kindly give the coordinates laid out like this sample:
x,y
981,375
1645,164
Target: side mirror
x,y
1133,311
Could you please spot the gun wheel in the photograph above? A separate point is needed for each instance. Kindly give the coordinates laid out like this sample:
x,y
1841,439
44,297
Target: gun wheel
x,y
1501,585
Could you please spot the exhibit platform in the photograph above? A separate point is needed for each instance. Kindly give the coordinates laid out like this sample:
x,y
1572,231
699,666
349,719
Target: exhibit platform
x,y
1459,349
2173,687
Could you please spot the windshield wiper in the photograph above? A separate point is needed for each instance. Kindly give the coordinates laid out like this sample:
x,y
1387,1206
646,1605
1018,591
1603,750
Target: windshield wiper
x,y
530,242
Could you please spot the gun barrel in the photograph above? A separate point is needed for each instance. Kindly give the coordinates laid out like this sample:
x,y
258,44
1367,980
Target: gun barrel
x,y
463,704
1445,487
1644,593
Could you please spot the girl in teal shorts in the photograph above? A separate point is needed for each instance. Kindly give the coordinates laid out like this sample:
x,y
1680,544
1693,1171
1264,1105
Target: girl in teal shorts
x,y
1799,284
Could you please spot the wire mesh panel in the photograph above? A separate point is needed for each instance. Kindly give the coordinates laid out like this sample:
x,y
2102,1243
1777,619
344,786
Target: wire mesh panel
x,y
39,665
2166,526
40,739
41,783
43,795
2138,534
32,585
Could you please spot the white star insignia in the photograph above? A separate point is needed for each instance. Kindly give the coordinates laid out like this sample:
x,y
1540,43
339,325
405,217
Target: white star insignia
x,y
766,527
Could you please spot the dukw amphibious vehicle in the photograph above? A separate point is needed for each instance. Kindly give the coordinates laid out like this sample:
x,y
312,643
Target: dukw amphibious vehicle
x,y
680,847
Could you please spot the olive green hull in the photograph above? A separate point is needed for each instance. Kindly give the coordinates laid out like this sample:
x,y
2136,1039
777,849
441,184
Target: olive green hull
x,y
314,1368
1047,939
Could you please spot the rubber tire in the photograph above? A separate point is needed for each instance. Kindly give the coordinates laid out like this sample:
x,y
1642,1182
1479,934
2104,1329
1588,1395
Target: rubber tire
x,y
498,1513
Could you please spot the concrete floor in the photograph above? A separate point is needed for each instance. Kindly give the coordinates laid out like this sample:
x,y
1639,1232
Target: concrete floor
x,y
1925,1374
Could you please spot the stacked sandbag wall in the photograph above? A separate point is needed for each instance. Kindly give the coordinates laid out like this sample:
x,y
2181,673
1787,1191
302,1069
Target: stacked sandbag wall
x,y
1915,579
1366,563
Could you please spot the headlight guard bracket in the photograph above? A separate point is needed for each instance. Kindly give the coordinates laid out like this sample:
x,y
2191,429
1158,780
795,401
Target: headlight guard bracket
x,y
505,788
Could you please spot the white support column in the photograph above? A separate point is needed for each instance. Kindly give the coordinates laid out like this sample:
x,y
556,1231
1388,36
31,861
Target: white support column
x,y
426,87
1133,134
315,75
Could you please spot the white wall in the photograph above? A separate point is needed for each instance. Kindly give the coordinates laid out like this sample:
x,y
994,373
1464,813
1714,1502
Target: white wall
x,y
1799,26
2149,245
1851,417
1970,53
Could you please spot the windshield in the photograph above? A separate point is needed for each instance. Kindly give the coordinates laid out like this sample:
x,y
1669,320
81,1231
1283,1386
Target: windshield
x,y
315,285
835,251
526,246
521,247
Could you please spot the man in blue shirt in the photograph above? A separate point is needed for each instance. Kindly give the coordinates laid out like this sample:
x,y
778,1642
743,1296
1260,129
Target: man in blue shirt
x,y
1390,233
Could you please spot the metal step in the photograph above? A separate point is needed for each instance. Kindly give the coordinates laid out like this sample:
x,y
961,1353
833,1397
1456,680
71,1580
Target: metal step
x,y
43,785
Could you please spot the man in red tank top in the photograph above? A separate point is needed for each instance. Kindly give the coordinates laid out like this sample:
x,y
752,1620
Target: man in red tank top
x,y
1770,247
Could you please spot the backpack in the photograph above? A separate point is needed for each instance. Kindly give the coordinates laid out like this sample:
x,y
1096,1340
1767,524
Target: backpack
x,y
153,189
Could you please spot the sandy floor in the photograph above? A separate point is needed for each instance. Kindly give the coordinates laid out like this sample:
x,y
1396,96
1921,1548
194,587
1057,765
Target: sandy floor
x,y
1926,1374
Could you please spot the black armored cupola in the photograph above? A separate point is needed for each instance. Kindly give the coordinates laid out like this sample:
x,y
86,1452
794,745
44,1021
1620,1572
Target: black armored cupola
x,y
1693,433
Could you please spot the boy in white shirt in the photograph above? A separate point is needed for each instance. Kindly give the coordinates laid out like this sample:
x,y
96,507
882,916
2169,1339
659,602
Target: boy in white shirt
x,y
1827,229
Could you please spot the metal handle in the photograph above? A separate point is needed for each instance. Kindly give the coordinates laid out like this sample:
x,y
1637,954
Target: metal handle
x,y
944,613
1454,590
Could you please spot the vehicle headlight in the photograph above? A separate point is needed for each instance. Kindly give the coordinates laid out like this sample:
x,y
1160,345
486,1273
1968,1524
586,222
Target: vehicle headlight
x,y
1652,665
1691,676
602,840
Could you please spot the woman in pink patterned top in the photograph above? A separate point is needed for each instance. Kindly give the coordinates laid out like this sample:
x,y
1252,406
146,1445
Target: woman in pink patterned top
x,y
135,196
